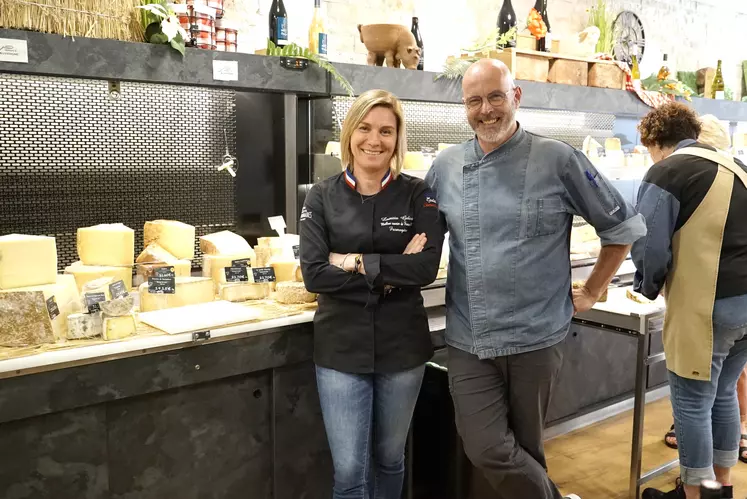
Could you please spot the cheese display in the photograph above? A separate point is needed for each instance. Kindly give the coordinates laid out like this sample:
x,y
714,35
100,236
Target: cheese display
x,y
285,270
27,261
154,253
106,244
243,291
86,273
116,328
118,307
189,291
214,266
290,292
612,144
177,238
100,285
264,254
64,294
224,243
637,297
82,326
24,319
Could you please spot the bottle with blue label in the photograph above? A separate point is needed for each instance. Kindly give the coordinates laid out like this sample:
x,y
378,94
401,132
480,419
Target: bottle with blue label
x,y
278,23
318,32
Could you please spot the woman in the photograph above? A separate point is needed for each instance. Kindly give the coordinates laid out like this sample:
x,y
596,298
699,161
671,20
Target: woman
x,y
694,200
371,238
713,133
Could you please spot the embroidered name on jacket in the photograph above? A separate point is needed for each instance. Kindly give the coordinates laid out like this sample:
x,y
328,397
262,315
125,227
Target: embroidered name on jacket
x,y
397,224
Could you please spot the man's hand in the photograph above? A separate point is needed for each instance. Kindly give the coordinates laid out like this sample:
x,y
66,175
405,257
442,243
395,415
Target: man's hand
x,y
583,300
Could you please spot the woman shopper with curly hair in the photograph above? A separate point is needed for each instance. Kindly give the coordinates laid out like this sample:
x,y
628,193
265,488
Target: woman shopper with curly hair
x,y
694,200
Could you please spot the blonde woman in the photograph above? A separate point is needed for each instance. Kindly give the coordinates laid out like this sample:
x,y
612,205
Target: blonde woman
x,y
371,238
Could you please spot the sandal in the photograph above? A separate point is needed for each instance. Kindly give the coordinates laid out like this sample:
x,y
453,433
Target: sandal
x,y
671,434
742,450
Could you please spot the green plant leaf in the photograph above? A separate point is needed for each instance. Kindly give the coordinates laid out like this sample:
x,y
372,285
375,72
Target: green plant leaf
x,y
156,10
159,38
178,45
455,68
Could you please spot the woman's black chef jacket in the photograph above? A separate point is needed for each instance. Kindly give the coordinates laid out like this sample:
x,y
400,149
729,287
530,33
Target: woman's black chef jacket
x,y
359,327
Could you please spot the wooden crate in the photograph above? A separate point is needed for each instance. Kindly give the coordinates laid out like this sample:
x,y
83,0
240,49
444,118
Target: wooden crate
x,y
526,64
606,75
568,72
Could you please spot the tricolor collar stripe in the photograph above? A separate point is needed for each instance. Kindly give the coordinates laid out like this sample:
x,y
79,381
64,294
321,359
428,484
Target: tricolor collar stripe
x,y
352,183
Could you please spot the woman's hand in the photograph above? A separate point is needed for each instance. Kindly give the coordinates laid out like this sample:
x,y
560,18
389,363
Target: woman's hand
x,y
416,244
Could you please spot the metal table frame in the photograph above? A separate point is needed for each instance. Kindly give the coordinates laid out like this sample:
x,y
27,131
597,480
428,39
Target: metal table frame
x,y
639,327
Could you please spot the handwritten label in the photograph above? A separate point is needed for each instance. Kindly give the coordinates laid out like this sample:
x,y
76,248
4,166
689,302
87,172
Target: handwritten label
x,y
14,50
226,70
163,281
263,274
118,289
93,300
237,273
52,308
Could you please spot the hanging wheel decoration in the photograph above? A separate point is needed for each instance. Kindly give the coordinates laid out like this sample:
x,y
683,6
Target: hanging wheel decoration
x,y
629,38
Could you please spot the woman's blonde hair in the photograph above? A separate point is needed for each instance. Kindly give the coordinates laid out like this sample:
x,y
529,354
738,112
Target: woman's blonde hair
x,y
713,133
358,111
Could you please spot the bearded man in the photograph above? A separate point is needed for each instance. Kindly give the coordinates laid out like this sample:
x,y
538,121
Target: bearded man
x,y
509,198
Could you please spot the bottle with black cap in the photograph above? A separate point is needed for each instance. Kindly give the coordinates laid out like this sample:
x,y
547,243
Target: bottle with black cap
x,y
710,489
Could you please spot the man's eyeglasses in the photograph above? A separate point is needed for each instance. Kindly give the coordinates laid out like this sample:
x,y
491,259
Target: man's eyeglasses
x,y
495,99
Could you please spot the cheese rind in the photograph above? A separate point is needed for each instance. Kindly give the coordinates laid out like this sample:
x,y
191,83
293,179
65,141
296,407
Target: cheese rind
x,y
293,293
106,244
118,307
87,273
189,291
224,243
285,270
154,253
243,291
24,319
27,261
65,294
175,237
116,328
81,326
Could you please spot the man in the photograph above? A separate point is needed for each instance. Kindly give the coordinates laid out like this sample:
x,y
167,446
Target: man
x,y
508,197
695,253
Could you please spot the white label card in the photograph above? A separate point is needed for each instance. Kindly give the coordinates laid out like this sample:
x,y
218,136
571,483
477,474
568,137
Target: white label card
x,y
14,50
277,224
226,70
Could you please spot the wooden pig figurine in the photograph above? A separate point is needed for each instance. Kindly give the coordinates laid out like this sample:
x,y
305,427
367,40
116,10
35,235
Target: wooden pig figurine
x,y
392,42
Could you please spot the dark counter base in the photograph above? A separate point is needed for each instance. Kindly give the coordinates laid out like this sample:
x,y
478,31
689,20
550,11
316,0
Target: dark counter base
x,y
247,423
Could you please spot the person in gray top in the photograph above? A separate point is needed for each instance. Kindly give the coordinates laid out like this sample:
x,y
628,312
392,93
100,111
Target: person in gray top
x,y
509,198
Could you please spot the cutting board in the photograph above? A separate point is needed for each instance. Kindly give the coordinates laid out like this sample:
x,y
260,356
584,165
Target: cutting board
x,y
199,317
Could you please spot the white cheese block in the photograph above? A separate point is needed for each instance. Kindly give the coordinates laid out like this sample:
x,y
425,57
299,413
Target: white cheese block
x,y
285,270
189,291
65,295
116,328
224,243
24,319
182,268
154,253
290,292
211,262
243,291
87,273
612,144
106,244
175,237
81,326
118,307
27,261
264,254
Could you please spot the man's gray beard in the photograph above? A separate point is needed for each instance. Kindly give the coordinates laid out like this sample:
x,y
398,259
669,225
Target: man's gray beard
x,y
489,137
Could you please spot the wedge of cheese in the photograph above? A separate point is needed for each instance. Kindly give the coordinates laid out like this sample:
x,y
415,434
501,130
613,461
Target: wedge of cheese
x,y
214,266
82,326
154,253
286,270
87,273
27,261
264,254
290,292
224,243
243,291
637,297
24,319
64,294
182,268
116,328
106,244
189,291
175,237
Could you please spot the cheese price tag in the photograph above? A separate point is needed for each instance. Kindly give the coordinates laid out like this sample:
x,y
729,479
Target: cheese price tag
x,y
163,281
118,289
93,300
52,308
263,274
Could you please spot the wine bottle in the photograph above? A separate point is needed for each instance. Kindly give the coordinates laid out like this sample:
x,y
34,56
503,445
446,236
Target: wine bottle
x,y
710,489
544,43
506,21
278,23
717,87
318,32
664,70
418,40
635,71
